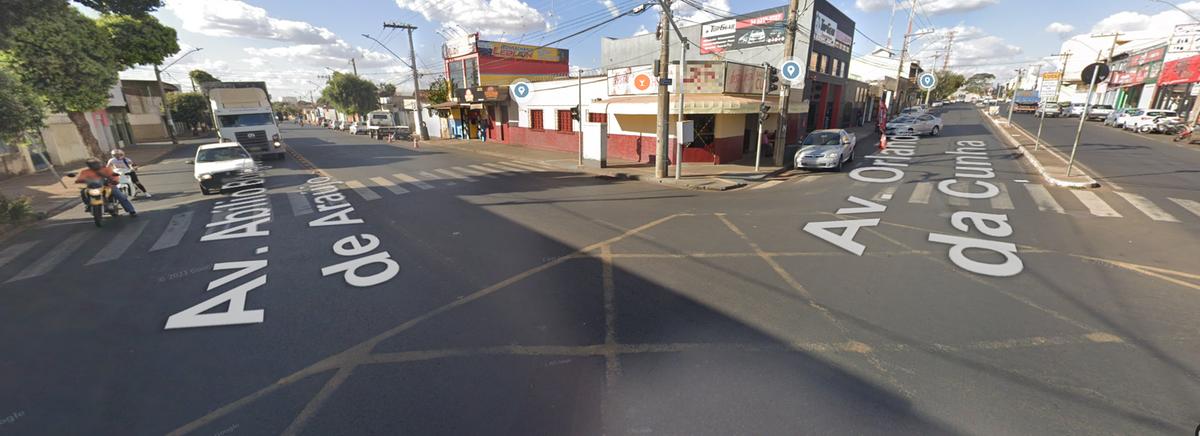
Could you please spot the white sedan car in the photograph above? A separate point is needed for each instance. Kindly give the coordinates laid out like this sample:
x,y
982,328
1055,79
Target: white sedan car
x,y
829,148
924,124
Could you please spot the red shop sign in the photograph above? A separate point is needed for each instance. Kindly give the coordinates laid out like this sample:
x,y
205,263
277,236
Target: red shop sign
x,y
1186,70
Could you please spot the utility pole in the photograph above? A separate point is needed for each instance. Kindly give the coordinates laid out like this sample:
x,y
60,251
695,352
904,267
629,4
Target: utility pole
x,y
789,50
912,12
579,111
162,91
412,52
664,98
949,48
1012,101
355,66
890,20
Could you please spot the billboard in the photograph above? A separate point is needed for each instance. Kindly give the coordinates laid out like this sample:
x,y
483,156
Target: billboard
x,y
637,80
461,46
509,50
1186,70
743,78
1185,39
755,29
826,31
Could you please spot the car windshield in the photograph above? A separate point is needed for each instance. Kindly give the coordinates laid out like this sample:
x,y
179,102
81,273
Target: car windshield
x,y
903,119
823,138
221,154
244,120
379,116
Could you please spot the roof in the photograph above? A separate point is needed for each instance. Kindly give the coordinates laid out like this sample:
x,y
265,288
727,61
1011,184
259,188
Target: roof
x,y
219,145
692,104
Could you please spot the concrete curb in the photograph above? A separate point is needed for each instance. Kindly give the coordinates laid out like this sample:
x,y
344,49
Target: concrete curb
x,y
1087,184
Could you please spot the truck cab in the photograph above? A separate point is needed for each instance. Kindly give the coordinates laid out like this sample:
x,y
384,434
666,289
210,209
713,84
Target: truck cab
x,y
244,116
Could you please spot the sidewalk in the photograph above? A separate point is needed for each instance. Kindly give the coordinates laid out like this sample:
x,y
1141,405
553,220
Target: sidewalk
x,y
1051,164
50,197
698,176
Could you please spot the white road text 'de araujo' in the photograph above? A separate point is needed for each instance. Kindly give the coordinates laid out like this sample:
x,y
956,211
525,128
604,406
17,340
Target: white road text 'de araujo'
x,y
971,171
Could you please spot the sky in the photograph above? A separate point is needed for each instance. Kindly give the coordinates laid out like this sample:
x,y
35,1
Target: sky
x,y
292,43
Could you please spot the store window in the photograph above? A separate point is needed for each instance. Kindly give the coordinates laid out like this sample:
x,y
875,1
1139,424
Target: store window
x,y
472,72
812,61
821,63
535,119
836,70
456,74
706,128
597,117
564,121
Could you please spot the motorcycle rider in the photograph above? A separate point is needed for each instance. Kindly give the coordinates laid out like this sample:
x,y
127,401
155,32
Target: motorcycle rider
x,y
119,161
97,171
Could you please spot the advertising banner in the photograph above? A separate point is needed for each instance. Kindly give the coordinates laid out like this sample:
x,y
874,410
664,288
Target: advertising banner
x,y
699,78
1185,39
1186,70
744,79
522,51
638,80
825,31
459,47
756,29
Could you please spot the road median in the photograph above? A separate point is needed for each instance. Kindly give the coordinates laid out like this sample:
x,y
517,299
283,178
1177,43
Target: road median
x,y
1048,162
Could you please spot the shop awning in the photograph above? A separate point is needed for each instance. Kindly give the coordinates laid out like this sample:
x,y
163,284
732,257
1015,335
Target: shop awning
x,y
445,105
692,104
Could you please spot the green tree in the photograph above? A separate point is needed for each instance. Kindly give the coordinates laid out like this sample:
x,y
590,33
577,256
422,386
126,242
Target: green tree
x,y
287,109
979,83
14,13
141,38
439,91
350,94
190,108
69,61
201,77
948,83
124,7
387,90
22,108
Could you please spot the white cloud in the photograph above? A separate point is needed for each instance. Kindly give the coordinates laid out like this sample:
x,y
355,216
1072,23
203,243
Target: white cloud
x,y
491,17
233,18
611,6
931,7
1060,28
873,5
642,30
1158,25
973,50
713,9
335,54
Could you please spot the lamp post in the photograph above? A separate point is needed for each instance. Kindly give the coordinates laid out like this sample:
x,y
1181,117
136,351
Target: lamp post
x,y
162,92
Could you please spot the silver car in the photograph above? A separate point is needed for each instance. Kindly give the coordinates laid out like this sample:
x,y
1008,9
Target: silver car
x,y
829,148
924,124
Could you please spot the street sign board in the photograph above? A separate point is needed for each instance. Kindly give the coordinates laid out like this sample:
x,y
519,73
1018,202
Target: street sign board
x,y
791,71
1100,69
521,91
927,81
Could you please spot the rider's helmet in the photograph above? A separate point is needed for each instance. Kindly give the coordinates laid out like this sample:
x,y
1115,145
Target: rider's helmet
x,y
94,164
118,153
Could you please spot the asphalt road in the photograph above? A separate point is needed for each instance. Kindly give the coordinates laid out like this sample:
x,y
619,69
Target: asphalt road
x,y
527,300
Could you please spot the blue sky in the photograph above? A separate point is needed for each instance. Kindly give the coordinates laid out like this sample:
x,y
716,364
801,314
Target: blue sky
x,y
290,43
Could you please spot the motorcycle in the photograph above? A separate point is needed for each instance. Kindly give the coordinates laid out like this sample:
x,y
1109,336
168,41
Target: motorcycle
x,y
100,199
1160,125
124,181
1185,133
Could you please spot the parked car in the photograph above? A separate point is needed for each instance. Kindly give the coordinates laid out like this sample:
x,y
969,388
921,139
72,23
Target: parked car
x,y
1124,117
937,104
1099,112
1146,119
1116,114
923,124
829,148
217,162
359,128
1048,110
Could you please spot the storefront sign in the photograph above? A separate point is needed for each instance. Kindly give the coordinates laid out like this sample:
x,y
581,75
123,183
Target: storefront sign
x,y
460,46
521,51
826,31
1186,70
481,94
755,29
700,78
743,79
1148,56
1185,39
637,80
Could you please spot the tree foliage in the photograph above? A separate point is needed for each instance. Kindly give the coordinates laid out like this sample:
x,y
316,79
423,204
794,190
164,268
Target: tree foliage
x,y
948,83
22,108
350,94
201,76
387,90
124,7
142,39
14,13
287,109
439,91
979,83
190,108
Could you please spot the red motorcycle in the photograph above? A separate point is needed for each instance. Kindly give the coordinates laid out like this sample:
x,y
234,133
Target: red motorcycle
x,y
1185,134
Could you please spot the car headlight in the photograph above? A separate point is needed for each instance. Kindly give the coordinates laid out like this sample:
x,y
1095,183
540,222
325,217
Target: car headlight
x,y
277,144
206,177
831,154
93,191
247,170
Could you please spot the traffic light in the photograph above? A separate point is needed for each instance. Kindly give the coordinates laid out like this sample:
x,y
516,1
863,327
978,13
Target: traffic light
x,y
772,79
575,113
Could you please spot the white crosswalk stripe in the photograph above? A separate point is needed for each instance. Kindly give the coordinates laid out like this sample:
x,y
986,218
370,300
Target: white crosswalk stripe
x,y
12,251
767,184
1002,200
389,185
174,232
503,169
52,258
525,165
1147,207
300,206
544,165
1191,206
921,193
362,190
455,175
1042,198
487,170
506,166
412,181
120,243
1094,204
885,194
472,172
431,176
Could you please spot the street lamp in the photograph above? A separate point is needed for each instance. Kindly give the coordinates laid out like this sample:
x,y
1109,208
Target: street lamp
x,y
162,92
1189,14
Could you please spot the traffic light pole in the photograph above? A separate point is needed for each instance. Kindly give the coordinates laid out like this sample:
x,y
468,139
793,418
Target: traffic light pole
x,y
679,88
762,115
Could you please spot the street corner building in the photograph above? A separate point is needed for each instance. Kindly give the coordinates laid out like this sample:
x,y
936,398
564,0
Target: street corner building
x,y
723,89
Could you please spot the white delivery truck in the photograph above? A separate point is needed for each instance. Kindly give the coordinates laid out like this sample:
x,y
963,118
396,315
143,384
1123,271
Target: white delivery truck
x,y
242,113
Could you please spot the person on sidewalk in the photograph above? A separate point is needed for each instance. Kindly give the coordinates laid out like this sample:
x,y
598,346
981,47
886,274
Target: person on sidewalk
x,y
484,125
97,171
119,161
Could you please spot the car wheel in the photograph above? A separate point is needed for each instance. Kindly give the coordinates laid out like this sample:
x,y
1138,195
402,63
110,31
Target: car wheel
x,y
935,131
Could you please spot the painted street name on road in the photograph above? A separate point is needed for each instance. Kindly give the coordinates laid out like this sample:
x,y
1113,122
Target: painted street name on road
x,y
971,162
359,248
